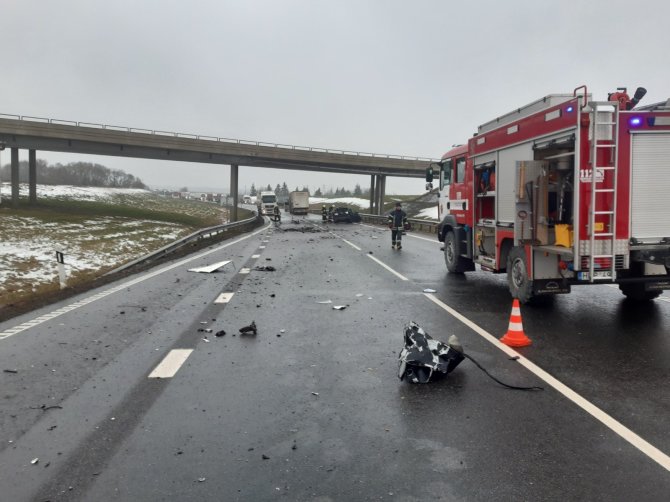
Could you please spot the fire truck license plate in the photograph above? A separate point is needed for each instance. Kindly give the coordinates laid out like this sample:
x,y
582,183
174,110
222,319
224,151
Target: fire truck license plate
x,y
600,274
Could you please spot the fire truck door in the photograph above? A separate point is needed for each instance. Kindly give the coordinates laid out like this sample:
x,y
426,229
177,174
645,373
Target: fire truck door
x,y
459,197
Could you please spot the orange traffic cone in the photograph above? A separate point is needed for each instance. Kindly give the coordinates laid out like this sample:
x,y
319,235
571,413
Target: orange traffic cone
x,y
515,337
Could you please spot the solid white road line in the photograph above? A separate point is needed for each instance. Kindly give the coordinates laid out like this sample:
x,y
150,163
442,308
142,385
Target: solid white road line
x,y
46,317
614,425
171,363
224,298
387,267
352,245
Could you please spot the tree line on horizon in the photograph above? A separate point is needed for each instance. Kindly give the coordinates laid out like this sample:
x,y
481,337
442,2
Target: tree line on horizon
x,y
76,174
283,190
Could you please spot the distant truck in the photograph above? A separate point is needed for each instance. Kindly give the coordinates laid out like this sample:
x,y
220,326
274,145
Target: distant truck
x,y
246,199
266,203
298,202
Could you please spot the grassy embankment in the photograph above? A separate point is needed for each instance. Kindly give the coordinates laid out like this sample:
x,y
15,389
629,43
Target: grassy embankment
x,y
97,236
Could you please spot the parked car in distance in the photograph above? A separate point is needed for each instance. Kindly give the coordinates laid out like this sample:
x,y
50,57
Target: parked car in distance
x,y
344,214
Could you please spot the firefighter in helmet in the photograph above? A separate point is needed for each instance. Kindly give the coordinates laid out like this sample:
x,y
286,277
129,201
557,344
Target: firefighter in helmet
x,y
276,213
324,213
397,220
330,212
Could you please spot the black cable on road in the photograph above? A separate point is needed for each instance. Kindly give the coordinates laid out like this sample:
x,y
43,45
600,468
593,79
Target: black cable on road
x,y
495,379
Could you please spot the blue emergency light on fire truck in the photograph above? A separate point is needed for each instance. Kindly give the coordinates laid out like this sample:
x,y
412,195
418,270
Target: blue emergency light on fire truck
x,y
562,192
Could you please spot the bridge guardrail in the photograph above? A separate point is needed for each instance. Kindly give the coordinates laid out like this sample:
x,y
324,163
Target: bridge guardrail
x,y
204,233
210,138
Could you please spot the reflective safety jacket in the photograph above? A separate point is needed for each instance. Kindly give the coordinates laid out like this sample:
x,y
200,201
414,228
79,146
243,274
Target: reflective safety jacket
x,y
397,219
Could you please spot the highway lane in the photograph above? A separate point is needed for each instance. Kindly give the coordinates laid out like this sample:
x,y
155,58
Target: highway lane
x,y
322,400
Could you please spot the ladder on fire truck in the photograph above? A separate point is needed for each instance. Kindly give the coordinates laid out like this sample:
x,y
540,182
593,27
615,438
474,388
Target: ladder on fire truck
x,y
604,136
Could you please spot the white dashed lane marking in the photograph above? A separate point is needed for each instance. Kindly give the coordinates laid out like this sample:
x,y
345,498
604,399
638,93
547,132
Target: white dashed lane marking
x,y
224,298
387,267
171,363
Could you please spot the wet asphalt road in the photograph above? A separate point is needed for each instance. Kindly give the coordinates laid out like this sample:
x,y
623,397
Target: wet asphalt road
x,y
311,408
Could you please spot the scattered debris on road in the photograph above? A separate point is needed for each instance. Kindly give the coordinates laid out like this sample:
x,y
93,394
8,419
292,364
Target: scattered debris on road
x,y
265,268
34,461
428,290
10,371
220,333
422,357
340,307
325,302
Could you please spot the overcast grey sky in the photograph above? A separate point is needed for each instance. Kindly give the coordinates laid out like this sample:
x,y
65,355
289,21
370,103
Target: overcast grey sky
x,y
383,76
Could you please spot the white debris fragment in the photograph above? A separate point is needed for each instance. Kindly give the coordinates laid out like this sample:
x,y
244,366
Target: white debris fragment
x,y
210,268
339,307
315,393
205,340
325,302
282,331
35,460
428,290
359,294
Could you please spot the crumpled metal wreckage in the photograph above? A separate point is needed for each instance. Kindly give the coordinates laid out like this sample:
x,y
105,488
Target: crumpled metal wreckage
x,y
424,358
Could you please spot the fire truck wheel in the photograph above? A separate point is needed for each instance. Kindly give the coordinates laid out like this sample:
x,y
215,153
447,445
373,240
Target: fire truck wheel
x,y
455,264
520,285
636,292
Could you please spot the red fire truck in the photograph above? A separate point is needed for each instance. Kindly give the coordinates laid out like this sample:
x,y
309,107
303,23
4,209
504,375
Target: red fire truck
x,y
561,192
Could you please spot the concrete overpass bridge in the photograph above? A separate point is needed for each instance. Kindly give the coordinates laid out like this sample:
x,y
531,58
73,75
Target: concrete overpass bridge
x,y
36,133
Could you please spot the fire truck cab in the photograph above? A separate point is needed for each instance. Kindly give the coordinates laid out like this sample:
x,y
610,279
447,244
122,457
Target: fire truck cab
x,y
561,192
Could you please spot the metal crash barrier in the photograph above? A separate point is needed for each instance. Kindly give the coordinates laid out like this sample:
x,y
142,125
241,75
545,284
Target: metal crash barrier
x,y
205,233
417,224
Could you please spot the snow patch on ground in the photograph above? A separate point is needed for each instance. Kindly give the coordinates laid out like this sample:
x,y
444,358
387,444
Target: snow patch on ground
x,y
71,192
341,201
430,213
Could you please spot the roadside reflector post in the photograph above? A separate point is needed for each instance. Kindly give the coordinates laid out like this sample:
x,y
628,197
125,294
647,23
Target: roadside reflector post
x,y
60,258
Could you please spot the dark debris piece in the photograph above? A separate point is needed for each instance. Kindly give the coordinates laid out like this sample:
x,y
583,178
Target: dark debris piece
x,y
423,358
251,329
265,268
220,333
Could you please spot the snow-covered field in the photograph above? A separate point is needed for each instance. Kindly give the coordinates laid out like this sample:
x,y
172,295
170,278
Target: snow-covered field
x,y
28,243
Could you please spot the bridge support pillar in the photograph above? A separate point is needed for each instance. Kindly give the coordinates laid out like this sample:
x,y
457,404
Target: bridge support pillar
x,y
15,177
32,176
381,192
372,194
234,171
